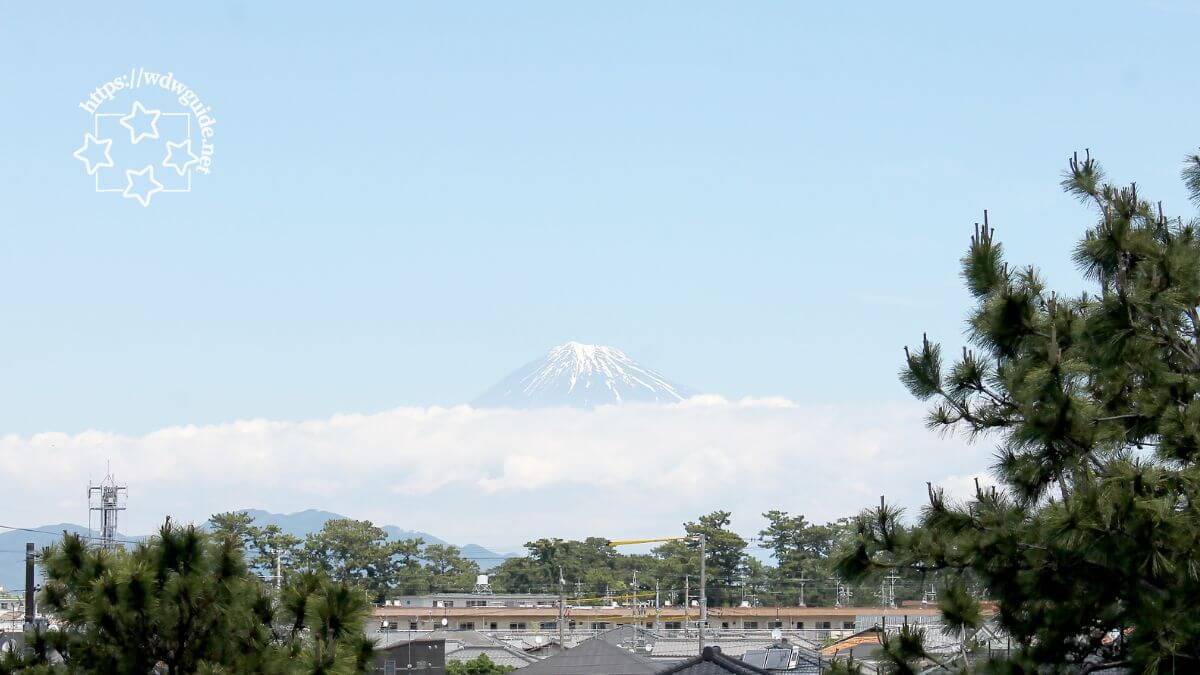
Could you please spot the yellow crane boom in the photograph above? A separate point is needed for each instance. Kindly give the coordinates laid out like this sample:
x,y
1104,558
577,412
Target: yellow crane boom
x,y
631,542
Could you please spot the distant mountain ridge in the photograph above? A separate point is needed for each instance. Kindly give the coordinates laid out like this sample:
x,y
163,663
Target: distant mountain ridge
x,y
12,549
581,375
299,524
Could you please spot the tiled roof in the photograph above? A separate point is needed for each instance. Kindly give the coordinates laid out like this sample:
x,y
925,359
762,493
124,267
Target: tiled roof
x,y
713,662
499,654
595,657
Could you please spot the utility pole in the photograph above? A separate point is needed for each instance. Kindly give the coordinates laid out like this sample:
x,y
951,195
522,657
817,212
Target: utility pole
x,y
562,608
703,596
687,600
30,609
278,572
843,593
892,579
637,607
657,608
802,581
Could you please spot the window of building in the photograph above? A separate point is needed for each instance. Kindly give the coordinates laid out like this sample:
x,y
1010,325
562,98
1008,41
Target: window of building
x,y
774,624
599,625
824,625
571,625
466,625
750,624
412,625
517,626
493,625
447,603
673,625
847,624
799,625
477,603
725,625
548,625
649,624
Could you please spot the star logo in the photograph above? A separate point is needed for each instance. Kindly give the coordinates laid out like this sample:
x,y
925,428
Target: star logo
x,y
143,188
92,156
139,120
172,159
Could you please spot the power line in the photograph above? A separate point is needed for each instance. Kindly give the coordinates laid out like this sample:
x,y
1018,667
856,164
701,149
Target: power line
x,y
61,532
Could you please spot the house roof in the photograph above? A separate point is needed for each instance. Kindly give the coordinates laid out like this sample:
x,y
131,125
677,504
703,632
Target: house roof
x,y
861,643
713,662
628,635
501,655
453,638
595,657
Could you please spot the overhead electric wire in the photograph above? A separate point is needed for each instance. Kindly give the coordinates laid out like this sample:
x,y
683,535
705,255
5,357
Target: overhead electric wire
x,y
61,532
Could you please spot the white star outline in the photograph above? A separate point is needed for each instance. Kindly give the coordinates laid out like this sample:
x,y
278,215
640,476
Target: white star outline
x,y
139,110
90,140
169,160
143,199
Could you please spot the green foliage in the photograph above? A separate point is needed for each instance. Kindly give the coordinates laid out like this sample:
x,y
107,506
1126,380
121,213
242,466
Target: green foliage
x,y
725,555
844,667
1089,545
599,569
902,651
185,601
801,549
353,551
480,665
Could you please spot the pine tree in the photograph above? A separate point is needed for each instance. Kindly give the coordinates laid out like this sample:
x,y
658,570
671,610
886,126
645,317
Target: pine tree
x,y
1090,543
185,602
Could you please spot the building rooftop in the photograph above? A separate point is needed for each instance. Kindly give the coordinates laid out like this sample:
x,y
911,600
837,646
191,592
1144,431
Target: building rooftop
x,y
672,613
713,662
595,657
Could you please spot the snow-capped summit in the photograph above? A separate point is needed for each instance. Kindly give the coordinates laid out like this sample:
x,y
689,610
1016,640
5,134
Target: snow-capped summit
x,y
575,374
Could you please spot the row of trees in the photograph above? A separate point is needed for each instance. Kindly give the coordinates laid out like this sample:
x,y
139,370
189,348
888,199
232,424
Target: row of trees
x,y
352,551
803,553
358,552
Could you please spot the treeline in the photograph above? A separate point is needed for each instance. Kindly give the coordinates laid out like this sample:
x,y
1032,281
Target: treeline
x,y
799,559
347,550
803,555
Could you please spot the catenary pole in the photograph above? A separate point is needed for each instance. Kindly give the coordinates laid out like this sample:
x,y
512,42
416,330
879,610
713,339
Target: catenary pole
x,y
562,605
703,596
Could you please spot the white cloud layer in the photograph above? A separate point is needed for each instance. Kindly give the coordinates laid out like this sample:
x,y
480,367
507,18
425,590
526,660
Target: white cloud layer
x,y
502,477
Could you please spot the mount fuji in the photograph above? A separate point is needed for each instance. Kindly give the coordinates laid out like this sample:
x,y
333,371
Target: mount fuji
x,y
582,376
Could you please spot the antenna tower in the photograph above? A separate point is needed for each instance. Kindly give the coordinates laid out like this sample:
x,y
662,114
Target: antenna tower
x,y
108,499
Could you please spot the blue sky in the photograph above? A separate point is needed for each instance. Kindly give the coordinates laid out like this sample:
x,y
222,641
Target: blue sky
x,y
409,200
